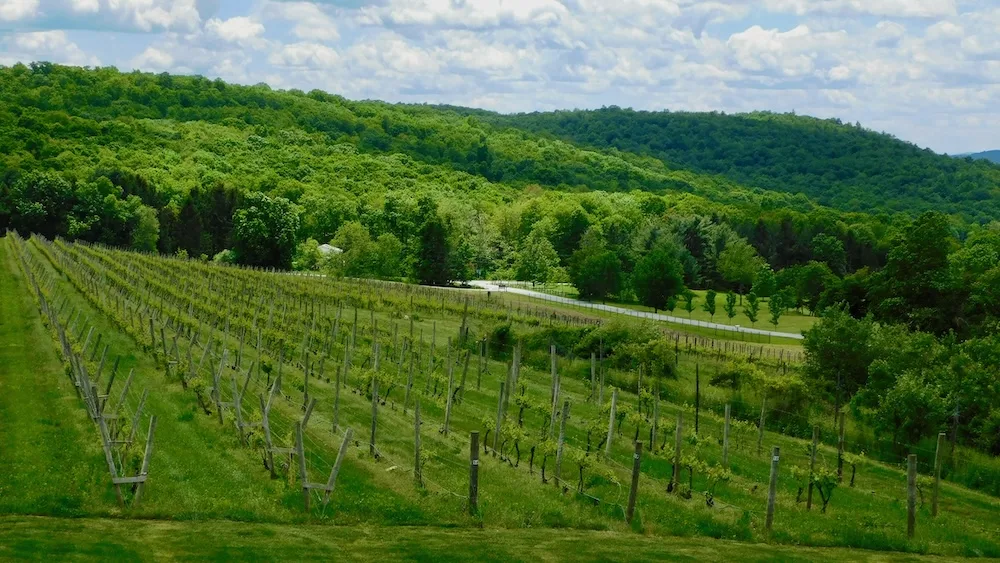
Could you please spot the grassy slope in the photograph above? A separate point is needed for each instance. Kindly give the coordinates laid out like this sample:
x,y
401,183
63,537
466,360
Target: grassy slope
x,y
207,471
51,460
40,538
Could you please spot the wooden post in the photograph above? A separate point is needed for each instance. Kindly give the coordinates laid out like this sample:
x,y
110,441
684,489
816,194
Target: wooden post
x,y
760,430
593,376
911,495
559,444
451,385
237,410
266,425
332,481
654,428
416,444
554,399
812,467
611,422
634,490
937,474
465,372
725,441
676,477
409,382
147,456
772,489
371,444
697,396
482,363
496,432
840,449
300,452
474,473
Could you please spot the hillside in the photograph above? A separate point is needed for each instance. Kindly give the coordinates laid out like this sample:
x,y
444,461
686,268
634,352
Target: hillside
x,y
191,148
992,156
841,165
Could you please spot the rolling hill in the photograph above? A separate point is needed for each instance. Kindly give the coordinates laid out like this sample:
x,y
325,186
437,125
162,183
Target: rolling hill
x,y
841,165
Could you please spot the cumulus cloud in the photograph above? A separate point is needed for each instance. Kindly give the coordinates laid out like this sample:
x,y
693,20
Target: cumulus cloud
x,y
886,63
240,29
52,46
13,10
310,21
304,54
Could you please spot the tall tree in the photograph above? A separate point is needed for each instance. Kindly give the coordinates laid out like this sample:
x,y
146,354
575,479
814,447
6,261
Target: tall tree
x,y
739,263
264,231
752,308
431,266
658,277
730,306
709,305
537,259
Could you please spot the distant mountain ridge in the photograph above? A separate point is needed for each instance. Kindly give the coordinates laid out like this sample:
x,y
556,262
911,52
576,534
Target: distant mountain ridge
x,y
836,164
992,156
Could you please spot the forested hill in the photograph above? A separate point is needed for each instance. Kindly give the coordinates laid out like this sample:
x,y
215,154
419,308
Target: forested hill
x,y
841,165
992,156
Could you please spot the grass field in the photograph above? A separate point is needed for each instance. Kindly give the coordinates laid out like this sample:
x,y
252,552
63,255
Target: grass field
x,y
792,321
203,479
36,538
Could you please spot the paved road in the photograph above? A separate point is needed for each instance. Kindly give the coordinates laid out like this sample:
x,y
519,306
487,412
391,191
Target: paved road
x,y
502,286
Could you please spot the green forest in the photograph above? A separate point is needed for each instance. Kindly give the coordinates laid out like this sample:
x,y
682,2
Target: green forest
x,y
896,247
833,163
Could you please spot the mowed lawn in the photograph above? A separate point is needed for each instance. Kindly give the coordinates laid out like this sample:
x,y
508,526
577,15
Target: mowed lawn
x,y
50,458
791,321
37,538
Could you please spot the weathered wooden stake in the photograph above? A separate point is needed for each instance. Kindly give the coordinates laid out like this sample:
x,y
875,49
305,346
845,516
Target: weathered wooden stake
x,y
559,444
697,396
416,444
611,422
474,473
147,456
300,452
332,481
760,427
371,444
840,449
772,489
679,434
937,474
725,441
812,467
496,433
634,489
911,495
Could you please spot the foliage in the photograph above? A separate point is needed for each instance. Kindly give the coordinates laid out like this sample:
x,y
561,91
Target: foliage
x,y
658,277
265,230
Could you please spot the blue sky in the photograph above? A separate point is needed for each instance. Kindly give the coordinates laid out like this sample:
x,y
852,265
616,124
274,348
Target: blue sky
x,y
927,71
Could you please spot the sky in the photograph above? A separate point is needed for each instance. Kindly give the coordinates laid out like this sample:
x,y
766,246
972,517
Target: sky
x,y
927,71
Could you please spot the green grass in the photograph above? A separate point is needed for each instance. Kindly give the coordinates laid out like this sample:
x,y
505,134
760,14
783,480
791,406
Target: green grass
x,y
200,471
51,461
792,321
36,538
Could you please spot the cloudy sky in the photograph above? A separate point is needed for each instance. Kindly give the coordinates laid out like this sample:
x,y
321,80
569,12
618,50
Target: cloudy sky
x,y
927,71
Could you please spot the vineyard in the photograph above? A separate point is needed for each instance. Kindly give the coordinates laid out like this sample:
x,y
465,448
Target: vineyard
x,y
219,392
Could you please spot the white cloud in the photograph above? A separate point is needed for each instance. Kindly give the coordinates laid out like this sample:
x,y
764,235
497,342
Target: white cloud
x,y
86,6
13,10
465,14
304,54
884,8
153,59
240,29
52,46
311,22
